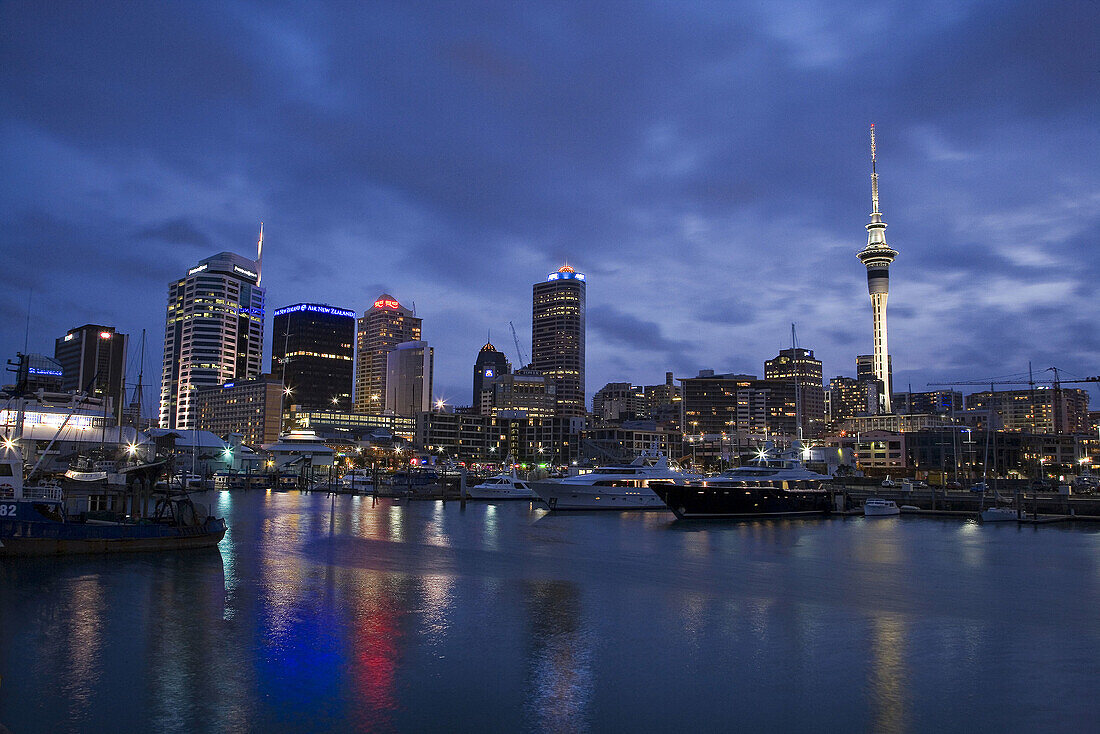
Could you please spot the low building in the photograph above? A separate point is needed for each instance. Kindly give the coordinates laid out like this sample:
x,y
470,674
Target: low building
x,y
352,426
894,423
873,450
252,408
623,442
1039,410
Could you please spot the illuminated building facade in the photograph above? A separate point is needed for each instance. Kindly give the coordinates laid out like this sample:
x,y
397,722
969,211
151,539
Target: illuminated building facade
x,y
620,401
93,358
525,392
737,406
409,378
317,343
877,256
381,328
934,401
490,364
1042,410
252,408
798,366
213,333
557,337
39,372
849,397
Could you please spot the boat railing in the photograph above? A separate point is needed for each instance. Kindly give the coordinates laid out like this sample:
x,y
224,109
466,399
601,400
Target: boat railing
x,y
42,493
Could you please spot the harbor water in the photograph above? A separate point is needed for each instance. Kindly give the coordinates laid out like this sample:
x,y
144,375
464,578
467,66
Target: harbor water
x,y
346,614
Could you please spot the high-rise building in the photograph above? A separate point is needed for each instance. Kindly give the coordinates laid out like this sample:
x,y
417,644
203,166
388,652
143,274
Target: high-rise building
x,y
213,333
525,392
93,358
490,364
1041,410
877,256
39,372
849,397
252,408
620,401
737,406
944,402
557,337
409,378
381,328
799,366
317,343
865,372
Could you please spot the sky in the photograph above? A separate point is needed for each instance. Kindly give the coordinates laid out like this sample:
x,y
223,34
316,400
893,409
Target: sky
x,y
705,164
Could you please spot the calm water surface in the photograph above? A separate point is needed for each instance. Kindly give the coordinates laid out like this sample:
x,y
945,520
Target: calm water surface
x,y
317,615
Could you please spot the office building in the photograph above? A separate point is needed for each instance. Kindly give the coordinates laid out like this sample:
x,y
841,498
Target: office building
x,y
945,402
380,329
312,351
877,256
213,333
848,397
489,365
557,337
409,378
93,359
798,366
252,408
524,393
737,406
1041,410
39,372
620,401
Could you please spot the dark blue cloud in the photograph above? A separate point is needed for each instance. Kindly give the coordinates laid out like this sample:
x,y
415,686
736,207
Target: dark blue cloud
x,y
705,164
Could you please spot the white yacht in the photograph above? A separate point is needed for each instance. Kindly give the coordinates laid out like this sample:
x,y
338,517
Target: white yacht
x,y
998,514
878,507
502,487
624,487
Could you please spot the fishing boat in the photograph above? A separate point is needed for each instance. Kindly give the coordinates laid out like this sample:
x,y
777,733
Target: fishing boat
x,y
34,522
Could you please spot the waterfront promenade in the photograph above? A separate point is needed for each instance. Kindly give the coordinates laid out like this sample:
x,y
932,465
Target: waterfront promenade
x,y
353,615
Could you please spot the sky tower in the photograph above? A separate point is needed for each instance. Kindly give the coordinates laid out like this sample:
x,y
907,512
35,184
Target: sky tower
x,y
877,256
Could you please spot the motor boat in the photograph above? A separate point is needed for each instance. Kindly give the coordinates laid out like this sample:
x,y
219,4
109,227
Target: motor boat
x,y
502,487
878,507
618,487
769,487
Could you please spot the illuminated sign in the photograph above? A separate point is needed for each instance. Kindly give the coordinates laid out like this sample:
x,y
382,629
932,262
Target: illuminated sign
x,y
104,335
316,309
70,337
489,372
228,384
36,371
565,276
242,271
387,303
198,269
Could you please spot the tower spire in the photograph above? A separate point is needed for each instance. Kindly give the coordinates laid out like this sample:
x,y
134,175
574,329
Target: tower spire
x,y
874,175
260,255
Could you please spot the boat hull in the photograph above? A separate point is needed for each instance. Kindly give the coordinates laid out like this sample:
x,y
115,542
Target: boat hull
x,y
689,502
22,538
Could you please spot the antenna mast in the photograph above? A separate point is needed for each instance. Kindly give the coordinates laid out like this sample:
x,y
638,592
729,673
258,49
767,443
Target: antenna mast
x,y
260,255
874,175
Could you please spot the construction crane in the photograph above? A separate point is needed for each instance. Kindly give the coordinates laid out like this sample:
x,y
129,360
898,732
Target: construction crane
x,y
519,352
1056,383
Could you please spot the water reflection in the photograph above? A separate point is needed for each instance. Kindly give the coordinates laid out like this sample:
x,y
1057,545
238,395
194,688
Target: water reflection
x,y
888,682
559,676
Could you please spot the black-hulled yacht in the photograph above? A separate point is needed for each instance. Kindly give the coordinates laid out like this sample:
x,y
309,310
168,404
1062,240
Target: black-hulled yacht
x,y
769,487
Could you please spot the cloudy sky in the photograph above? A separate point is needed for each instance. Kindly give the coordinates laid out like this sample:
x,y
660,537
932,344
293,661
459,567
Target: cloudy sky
x,y
705,164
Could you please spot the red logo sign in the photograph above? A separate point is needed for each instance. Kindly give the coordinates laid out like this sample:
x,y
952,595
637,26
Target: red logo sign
x,y
387,303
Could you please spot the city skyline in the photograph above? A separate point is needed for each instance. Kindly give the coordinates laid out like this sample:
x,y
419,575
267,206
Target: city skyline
x,y
482,165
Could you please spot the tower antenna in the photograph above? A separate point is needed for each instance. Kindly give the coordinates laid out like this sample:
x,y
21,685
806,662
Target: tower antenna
x,y
874,175
260,255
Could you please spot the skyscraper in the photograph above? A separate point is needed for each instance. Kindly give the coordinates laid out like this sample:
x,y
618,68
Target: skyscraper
x,y
213,333
381,328
93,357
318,343
409,378
490,364
557,337
877,256
798,365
